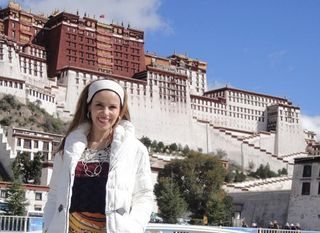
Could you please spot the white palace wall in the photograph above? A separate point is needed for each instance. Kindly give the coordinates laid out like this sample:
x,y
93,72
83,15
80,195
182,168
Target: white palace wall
x,y
220,141
9,61
289,139
13,87
264,140
24,77
241,152
72,83
162,120
262,207
174,121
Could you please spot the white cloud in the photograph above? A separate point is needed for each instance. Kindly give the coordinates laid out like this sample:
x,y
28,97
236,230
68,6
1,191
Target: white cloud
x,y
140,14
277,57
311,123
277,54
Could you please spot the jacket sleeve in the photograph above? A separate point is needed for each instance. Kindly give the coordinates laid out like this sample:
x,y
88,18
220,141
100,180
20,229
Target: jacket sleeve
x,y
142,199
51,204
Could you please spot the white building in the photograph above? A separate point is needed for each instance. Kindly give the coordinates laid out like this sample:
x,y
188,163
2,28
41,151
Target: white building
x,y
305,193
293,199
169,102
32,142
36,196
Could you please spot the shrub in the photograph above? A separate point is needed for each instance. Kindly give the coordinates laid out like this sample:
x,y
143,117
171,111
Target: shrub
x,y
6,121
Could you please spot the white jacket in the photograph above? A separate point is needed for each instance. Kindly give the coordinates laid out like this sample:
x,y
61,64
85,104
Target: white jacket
x,y
129,187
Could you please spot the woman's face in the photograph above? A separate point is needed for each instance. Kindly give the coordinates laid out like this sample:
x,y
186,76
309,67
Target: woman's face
x,y
105,110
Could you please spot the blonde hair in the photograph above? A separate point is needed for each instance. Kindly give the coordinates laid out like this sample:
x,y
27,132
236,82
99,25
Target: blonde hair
x,y
80,115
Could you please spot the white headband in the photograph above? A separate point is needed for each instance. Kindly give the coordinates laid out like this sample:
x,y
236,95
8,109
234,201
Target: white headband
x,y
105,84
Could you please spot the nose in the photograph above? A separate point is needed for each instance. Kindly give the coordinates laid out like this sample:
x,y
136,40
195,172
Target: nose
x,y
106,111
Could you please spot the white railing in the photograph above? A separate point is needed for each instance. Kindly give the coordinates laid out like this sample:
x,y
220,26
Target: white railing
x,y
15,224
175,228
20,224
172,228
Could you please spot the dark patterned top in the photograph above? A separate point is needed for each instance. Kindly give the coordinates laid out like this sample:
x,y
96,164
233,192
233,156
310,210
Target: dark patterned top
x,y
89,188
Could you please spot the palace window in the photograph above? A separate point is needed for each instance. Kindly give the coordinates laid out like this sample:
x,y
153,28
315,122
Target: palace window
x,y
3,193
38,196
35,68
307,171
45,146
37,207
27,143
305,188
35,144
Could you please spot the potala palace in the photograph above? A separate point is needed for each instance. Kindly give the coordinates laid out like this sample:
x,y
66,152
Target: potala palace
x,y
49,60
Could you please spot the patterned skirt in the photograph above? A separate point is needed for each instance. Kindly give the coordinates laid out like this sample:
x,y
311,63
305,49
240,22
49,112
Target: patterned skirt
x,y
85,222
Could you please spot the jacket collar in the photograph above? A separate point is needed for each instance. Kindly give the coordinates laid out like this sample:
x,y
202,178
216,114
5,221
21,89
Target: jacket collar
x,y
76,142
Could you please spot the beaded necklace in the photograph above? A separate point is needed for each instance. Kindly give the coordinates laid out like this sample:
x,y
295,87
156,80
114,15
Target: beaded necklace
x,y
92,155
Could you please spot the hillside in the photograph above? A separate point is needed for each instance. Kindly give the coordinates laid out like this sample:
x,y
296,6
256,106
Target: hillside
x,y
28,116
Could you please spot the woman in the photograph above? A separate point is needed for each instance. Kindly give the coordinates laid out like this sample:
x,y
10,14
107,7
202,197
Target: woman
x,y
101,180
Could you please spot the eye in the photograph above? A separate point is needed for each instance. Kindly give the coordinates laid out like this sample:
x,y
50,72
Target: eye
x,y
98,105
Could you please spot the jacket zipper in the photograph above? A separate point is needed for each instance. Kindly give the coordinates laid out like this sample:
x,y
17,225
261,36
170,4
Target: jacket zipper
x,y
67,206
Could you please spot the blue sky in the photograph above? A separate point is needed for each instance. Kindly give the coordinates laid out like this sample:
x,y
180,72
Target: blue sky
x,y
270,46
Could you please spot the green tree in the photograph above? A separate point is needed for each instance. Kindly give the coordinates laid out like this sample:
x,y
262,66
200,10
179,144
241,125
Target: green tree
x,y
263,172
234,175
169,199
36,167
219,208
27,170
146,141
282,171
173,147
160,147
154,146
8,102
221,154
239,176
51,124
199,178
186,150
229,178
16,199
6,121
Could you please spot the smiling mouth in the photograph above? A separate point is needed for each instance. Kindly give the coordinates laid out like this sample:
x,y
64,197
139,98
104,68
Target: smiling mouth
x,y
104,120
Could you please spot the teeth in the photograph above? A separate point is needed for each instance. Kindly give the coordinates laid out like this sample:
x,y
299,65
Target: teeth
x,y
104,119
